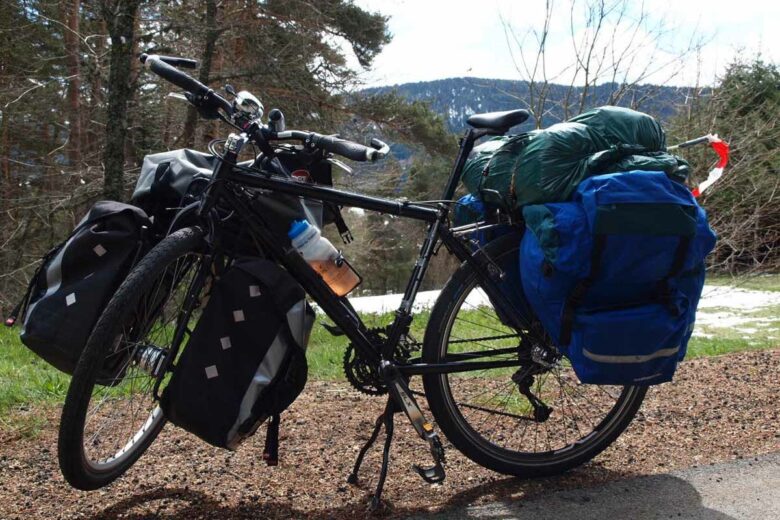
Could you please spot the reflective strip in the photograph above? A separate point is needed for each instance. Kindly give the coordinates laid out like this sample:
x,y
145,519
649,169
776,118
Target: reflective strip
x,y
53,278
601,358
300,323
263,376
638,379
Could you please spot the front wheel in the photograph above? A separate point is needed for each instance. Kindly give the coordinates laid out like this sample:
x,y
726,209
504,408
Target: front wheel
x,y
107,424
484,413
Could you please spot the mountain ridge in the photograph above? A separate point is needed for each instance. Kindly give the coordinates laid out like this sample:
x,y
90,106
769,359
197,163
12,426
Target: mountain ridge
x,y
458,98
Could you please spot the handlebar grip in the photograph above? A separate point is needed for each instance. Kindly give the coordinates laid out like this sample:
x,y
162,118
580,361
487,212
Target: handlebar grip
x,y
204,96
348,149
176,61
176,77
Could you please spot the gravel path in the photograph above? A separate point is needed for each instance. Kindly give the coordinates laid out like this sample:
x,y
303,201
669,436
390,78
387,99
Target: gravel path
x,y
717,409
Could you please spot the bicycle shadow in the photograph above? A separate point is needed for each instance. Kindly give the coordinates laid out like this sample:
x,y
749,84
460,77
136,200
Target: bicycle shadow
x,y
645,497
638,498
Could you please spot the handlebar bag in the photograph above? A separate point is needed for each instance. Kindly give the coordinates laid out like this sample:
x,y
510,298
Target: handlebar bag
x,y
245,361
76,280
171,180
615,275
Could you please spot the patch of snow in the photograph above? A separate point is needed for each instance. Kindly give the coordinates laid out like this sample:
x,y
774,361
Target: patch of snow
x,y
741,301
736,298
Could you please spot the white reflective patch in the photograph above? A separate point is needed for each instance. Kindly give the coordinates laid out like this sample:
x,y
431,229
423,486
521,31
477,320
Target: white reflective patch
x,y
99,250
625,359
225,342
211,372
70,299
254,291
238,315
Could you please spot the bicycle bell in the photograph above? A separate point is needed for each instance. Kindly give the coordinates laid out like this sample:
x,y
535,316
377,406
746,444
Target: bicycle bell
x,y
247,103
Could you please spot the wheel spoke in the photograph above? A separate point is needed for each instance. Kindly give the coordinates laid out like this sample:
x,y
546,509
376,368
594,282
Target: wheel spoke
x,y
120,416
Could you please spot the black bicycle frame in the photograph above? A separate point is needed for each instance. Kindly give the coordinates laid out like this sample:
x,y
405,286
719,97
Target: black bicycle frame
x,y
338,308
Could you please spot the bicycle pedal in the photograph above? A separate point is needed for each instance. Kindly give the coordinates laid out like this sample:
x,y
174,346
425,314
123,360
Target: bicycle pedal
x,y
433,475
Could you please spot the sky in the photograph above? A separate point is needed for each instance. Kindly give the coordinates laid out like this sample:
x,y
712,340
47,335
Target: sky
x,y
436,39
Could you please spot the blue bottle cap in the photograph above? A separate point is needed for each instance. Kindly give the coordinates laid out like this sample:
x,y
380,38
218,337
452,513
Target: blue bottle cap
x,y
297,227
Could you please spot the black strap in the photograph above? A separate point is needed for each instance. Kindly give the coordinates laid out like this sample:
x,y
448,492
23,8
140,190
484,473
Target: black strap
x,y
271,450
577,294
346,234
664,289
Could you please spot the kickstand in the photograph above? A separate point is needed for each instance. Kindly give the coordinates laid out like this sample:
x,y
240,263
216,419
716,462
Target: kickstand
x,y
385,419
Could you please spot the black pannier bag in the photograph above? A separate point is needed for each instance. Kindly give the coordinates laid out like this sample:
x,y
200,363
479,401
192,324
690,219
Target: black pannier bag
x,y
245,361
171,180
76,280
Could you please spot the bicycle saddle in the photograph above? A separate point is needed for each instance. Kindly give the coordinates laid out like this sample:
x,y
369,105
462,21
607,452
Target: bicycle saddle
x,y
499,121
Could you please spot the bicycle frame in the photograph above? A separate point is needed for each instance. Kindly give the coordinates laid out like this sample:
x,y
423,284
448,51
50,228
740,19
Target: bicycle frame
x,y
338,308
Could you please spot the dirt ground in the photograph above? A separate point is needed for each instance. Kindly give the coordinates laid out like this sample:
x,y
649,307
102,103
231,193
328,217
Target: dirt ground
x,y
717,409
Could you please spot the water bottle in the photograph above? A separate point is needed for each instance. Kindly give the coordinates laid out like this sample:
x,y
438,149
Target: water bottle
x,y
323,257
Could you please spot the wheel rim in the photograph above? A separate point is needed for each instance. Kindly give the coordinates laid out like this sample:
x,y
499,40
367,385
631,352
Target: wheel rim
x,y
491,411
122,412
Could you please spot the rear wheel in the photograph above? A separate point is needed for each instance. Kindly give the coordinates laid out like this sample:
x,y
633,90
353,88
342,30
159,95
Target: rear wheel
x,y
485,414
108,424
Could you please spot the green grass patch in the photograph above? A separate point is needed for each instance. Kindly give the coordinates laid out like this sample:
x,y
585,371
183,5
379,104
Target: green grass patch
x,y
755,282
25,379
701,347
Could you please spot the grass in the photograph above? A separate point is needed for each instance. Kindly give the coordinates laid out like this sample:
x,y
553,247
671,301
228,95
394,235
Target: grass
x,y
755,282
27,381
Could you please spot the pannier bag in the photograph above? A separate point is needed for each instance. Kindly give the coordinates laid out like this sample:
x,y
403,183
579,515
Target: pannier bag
x,y
245,361
76,280
615,275
469,209
547,165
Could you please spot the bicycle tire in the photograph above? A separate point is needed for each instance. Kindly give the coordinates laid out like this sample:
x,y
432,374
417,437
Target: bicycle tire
x,y
80,472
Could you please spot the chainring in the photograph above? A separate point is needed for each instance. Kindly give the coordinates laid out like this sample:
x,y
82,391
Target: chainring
x,y
361,374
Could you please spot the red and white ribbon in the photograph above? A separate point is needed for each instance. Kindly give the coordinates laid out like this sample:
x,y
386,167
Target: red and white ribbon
x,y
721,147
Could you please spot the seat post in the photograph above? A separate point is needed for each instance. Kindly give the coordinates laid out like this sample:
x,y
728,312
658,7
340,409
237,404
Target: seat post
x,y
466,145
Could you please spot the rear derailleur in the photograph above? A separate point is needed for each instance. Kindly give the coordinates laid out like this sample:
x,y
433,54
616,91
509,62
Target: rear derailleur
x,y
541,360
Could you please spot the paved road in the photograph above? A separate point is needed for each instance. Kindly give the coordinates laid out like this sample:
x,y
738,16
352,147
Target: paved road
x,y
744,490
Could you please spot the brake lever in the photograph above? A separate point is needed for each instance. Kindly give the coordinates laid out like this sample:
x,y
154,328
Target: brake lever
x,y
382,148
205,111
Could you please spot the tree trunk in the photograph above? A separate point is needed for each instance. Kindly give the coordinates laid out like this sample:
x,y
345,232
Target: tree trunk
x,y
120,19
71,10
5,163
212,34
135,70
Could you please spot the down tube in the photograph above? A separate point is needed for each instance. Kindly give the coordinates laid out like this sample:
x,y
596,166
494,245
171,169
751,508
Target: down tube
x,y
332,305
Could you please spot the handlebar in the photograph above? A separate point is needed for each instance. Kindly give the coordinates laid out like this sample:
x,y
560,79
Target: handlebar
x,y
203,95
349,149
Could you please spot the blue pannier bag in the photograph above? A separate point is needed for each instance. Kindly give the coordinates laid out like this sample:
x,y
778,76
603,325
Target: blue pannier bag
x,y
616,274
468,209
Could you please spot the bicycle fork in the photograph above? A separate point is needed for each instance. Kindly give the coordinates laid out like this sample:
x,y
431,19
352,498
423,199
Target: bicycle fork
x,y
401,399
